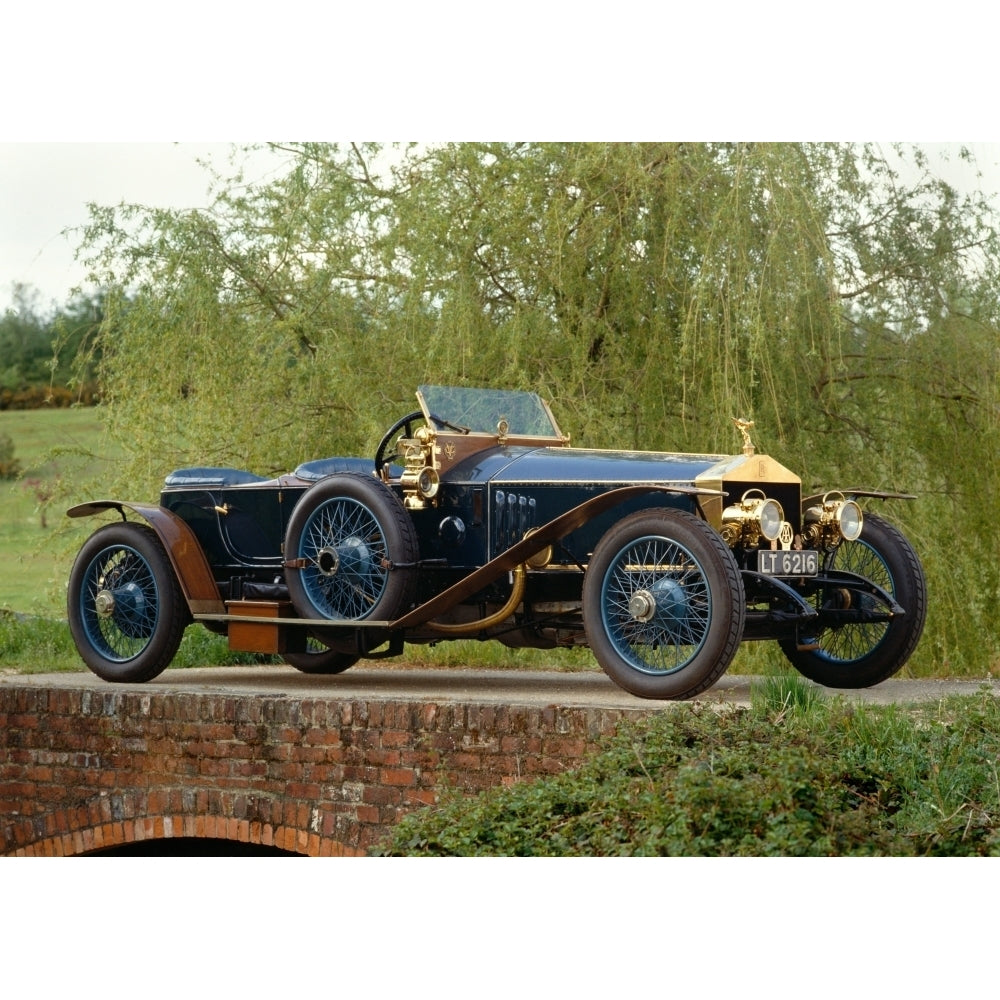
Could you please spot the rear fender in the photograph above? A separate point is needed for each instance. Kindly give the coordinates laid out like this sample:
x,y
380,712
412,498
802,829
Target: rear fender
x,y
186,556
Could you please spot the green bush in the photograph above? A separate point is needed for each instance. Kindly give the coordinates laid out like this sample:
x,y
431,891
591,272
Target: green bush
x,y
782,778
10,468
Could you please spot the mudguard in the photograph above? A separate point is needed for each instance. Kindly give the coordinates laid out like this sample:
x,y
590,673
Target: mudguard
x,y
185,554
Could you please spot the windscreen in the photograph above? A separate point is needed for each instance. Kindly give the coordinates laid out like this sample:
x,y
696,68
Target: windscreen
x,y
481,410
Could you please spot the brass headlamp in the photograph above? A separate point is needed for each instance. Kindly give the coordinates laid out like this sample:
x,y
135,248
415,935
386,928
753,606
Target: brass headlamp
x,y
754,517
833,520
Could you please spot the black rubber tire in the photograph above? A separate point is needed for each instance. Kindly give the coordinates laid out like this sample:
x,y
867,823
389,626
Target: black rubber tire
x,y
358,547
126,612
319,659
858,656
685,572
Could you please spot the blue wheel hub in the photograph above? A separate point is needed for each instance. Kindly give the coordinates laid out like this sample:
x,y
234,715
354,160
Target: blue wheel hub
x,y
355,558
128,609
663,604
656,605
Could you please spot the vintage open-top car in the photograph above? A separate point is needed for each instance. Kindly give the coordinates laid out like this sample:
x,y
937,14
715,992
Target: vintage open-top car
x,y
477,519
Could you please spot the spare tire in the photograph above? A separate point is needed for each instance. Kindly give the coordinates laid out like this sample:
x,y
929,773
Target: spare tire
x,y
350,551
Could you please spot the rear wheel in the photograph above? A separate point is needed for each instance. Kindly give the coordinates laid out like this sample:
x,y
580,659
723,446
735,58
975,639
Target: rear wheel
x,y
663,604
860,654
125,608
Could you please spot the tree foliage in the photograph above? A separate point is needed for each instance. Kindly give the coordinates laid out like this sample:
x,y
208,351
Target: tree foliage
x,y
841,296
40,353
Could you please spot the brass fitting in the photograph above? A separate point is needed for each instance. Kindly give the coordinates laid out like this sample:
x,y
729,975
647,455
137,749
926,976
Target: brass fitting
x,y
753,518
420,479
832,521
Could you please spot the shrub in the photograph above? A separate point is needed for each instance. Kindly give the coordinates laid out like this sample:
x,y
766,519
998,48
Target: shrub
x,y
10,467
783,778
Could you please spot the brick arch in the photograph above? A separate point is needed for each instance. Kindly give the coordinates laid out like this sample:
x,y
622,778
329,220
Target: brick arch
x,y
120,819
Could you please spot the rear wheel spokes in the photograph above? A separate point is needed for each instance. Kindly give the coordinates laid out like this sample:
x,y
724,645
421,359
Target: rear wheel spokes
x,y
120,603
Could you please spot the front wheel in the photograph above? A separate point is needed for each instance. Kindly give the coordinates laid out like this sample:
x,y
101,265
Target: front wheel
x,y
125,608
663,604
860,654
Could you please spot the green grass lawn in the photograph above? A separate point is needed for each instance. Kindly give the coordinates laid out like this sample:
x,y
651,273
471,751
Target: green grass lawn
x,y
59,451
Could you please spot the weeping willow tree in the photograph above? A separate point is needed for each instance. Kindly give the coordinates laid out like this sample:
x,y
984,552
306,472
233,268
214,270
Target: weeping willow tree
x,y
650,291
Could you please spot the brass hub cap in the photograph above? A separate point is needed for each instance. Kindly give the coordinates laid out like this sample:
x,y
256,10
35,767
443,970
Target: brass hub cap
x,y
104,603
642,606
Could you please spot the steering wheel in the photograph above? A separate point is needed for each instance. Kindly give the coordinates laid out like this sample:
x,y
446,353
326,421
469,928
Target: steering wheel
x,y
387,438
406,424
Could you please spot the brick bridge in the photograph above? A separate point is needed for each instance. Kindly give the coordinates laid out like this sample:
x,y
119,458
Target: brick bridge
x,y
271,758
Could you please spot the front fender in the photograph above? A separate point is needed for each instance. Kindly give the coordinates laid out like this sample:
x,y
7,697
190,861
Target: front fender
x,y
186,556
854,492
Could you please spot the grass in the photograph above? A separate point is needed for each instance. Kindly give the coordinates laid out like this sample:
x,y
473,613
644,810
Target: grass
x,y
38,645
56,449
30,645
792,775
784,692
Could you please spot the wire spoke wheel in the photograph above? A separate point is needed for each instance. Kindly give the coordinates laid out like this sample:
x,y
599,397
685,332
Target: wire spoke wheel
x,y
125,610
851,642
119,603
347,558
857,654
663,604
657,605
353,547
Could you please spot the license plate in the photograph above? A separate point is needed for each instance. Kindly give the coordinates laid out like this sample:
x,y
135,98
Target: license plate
x,y
779,562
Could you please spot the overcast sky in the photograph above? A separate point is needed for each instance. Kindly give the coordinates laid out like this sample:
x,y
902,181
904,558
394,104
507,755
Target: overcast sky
x,y
45,188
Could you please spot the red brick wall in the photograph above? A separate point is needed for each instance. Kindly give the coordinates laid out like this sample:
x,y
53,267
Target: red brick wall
x,y
84,769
